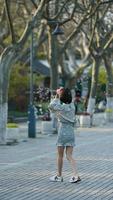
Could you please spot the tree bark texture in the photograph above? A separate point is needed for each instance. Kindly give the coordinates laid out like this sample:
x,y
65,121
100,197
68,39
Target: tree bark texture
x,y
6,61
3,122
95,71
109,90
53,59
108,66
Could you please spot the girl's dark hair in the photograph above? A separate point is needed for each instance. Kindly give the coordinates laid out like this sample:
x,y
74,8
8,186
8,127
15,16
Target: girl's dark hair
x,y
66,96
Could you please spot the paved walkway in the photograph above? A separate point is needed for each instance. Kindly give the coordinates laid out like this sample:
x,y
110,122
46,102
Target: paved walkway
x,y
25,168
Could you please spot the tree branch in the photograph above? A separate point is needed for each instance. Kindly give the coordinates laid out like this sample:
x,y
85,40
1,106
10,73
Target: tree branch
x,y
89,13
92,34
36,20
108,42
34,4
9,21
60,11
105,2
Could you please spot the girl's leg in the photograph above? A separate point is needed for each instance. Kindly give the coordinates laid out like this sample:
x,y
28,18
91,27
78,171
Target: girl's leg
x,y
60,150
69,151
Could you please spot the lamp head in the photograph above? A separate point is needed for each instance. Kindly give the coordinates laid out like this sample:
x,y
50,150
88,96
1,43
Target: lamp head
x,y
58,31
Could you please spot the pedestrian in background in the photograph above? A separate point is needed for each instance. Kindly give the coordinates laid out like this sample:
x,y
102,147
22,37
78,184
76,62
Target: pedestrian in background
x,y
64,108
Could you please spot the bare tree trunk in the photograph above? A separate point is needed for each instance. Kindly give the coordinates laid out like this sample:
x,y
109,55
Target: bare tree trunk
x,y
6,60
95,71
53,60
109,90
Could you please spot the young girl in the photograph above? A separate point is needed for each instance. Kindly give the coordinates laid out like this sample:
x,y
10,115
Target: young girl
x,y
64,108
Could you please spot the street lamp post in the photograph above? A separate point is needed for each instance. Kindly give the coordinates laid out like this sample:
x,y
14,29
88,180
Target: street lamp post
x,y
31,109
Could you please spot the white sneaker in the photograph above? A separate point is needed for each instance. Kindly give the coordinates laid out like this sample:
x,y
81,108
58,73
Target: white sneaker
x,y
74,179
56,178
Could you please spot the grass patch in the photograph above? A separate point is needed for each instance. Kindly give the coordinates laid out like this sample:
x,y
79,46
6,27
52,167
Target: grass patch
x,y
12,125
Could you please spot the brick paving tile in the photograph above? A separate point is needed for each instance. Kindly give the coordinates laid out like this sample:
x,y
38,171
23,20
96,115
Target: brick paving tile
x,y
25,168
